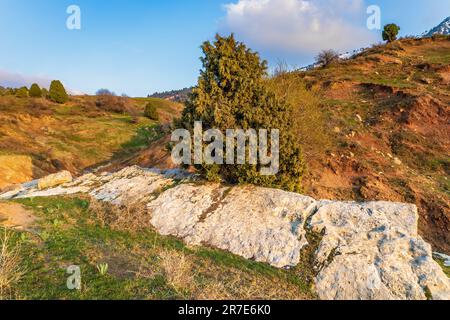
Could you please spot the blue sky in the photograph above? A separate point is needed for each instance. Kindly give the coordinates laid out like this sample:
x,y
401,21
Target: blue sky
x,y
138,47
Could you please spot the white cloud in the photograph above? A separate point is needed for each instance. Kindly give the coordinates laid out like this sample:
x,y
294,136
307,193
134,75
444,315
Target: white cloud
x,y
15,80
300,26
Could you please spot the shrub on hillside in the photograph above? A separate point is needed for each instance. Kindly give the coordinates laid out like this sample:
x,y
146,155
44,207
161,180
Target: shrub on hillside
x,y
390,32
309,120
35,91
22,92
111,103
327,57
116,104
44,93
438,36
151,112
57,92
231,94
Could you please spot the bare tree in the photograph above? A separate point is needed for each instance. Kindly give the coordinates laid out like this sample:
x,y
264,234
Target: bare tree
x,y
327,57
105,92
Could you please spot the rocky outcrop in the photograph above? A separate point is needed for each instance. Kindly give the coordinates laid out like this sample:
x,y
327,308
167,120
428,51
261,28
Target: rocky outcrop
x,y
372,251
367,250
256,223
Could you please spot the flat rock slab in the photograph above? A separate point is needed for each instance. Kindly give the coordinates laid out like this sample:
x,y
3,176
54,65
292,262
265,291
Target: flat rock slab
x,y
368,251
265,225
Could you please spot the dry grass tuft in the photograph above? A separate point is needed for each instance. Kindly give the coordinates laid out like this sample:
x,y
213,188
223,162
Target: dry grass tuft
x,y
129,217
308,120
205,280
10,269
177,268
238,285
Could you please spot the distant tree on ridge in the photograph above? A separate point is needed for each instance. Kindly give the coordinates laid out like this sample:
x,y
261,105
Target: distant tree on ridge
x,y
390,32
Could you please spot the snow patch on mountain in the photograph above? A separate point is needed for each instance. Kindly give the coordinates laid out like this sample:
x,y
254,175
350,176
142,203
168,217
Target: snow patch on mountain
x,y
443,28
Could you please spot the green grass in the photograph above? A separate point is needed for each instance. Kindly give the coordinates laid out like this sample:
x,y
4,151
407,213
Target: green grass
x,y
70,234
144,136
158,103
446,269
100,138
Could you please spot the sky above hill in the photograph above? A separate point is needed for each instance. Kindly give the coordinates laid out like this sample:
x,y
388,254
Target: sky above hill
x,y
138,47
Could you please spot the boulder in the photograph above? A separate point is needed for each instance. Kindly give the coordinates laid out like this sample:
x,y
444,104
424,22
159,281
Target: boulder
x,y
55,180
372,251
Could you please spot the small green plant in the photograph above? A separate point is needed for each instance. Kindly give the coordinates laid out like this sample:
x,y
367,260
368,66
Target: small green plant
x,y
45,236
35,91
151,112
390,32
23,237
103,269
57,92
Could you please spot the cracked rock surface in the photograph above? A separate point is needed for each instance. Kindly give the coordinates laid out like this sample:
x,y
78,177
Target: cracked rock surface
x,y
368,250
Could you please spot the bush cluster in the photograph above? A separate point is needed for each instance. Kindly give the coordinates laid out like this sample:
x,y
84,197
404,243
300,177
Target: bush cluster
x,y
22,92
57,92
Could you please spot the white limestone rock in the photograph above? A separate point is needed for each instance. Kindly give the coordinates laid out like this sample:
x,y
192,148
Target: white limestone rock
x,y
368,250
265,225
372,251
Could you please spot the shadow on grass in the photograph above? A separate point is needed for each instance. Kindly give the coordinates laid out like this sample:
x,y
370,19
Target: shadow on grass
x,y
143,138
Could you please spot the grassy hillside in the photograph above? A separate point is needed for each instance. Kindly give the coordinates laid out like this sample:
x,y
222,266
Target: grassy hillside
x,y
386,117
38,137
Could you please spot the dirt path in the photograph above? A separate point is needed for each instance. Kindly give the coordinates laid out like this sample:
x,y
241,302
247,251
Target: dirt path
x,y
13,215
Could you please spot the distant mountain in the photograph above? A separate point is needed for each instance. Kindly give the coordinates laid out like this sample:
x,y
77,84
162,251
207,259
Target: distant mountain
x,y
443,28
173,95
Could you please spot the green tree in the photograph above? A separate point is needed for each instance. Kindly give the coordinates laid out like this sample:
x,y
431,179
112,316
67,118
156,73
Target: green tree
x,y
35,91
151,112
22,92
390,32
231,94
57,93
